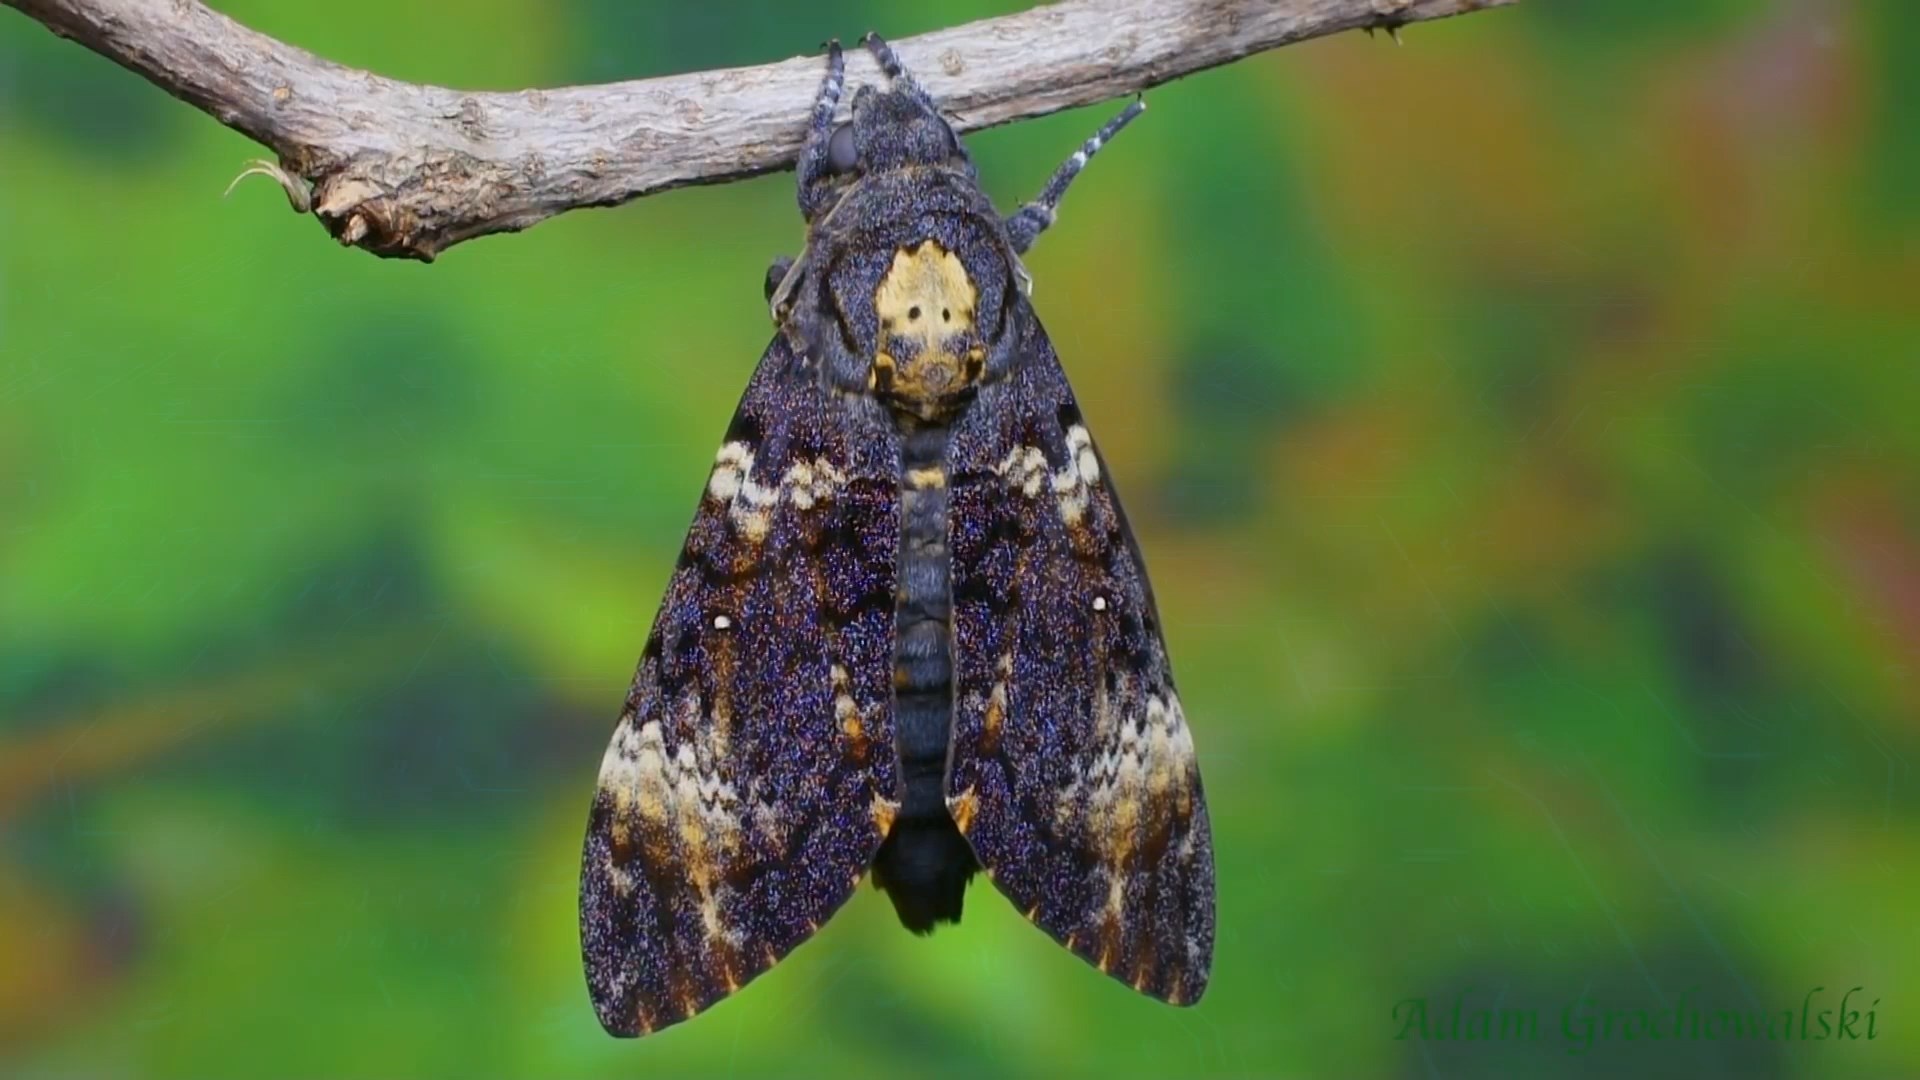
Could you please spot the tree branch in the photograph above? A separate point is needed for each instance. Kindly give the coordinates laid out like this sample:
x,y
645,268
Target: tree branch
x,y
408,170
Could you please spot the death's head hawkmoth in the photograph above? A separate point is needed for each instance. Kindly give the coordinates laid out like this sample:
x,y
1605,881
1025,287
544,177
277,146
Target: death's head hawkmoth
x,y
910,631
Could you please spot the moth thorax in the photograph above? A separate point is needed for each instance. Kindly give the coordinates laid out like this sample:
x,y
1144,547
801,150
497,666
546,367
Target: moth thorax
x,y
928,354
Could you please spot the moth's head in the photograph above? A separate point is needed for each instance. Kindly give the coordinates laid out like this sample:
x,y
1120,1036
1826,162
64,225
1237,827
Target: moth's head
x,y
899,128
891,129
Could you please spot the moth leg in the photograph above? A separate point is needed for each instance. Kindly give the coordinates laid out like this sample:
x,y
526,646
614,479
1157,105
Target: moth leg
x,y
777,273
889,62
813,164
1025,225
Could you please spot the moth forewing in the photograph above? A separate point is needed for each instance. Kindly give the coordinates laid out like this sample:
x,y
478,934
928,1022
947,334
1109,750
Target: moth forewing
x,y
1072,763
714,847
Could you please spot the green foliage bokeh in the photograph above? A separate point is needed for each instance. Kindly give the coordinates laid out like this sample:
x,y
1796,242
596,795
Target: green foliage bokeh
x,y
1519,424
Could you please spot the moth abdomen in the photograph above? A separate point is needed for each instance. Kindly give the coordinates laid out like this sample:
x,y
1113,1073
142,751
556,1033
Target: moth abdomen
x,y
924,864
924,867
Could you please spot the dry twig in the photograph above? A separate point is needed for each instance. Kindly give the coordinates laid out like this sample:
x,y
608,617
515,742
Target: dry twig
x,y
407,170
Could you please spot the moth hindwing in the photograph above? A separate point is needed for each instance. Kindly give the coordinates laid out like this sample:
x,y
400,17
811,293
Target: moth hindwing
x,y
910,631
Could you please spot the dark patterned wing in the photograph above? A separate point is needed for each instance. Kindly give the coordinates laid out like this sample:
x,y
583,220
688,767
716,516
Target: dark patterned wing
x,y
752,775
1072,772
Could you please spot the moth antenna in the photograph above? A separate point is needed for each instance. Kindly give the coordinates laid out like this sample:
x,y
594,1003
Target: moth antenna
x,y
1025,225
891,67
814,154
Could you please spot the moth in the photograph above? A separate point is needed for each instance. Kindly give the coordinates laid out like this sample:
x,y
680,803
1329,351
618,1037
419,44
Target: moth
x,y
910,632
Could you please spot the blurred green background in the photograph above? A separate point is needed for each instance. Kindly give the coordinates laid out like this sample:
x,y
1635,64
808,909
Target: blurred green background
x,y
1522,426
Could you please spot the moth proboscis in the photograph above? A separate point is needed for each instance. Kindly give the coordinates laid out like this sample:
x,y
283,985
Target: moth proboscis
x,y
910,632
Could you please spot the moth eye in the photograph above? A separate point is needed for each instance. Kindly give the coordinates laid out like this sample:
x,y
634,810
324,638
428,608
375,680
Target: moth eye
x,y
913,313
842,155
